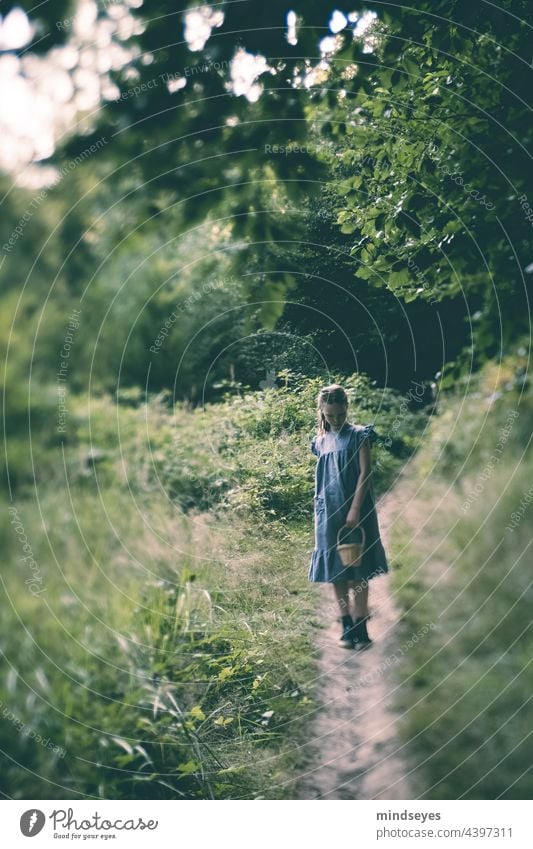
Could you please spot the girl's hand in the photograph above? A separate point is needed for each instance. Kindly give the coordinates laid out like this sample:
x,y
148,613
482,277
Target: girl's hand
x,y
352,519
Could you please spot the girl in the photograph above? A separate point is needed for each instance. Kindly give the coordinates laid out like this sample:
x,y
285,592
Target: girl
x,y
344,496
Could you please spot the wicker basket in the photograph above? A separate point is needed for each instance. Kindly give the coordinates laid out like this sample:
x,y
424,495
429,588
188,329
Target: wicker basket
x,y
351,553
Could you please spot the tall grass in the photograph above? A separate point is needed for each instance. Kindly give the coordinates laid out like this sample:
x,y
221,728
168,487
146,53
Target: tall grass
x,y
465,566
166,650
150,658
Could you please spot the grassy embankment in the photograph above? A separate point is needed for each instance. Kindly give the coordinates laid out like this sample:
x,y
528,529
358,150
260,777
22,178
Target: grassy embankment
x,y
165,646
463,541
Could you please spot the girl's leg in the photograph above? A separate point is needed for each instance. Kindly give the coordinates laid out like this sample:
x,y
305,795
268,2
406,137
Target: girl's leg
x,y
343,600
341,594
359,631
361,599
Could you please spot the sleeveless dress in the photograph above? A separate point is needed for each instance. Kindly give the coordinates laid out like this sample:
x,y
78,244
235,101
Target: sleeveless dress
x,y
336,475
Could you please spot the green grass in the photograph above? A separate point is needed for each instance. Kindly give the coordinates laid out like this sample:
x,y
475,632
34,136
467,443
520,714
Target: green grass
x,y
170,653
153,655
466,687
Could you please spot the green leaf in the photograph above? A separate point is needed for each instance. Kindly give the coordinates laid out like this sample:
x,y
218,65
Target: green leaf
x,y
226,673
197,713
411,66
348,227
223,720
398,278
364,272
189,767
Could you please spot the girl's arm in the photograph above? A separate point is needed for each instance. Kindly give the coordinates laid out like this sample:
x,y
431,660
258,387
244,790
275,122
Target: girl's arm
x,y
363,482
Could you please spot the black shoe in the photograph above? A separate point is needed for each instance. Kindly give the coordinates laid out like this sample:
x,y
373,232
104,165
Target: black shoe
x,y
346,638
360,636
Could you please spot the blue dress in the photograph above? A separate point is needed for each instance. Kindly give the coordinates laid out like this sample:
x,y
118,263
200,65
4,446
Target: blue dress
x,y
336,475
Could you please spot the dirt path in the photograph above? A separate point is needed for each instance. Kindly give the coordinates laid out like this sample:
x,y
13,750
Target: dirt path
x,y
353,750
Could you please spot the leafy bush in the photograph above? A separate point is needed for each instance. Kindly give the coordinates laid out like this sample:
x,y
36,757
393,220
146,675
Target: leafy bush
x,y
252,452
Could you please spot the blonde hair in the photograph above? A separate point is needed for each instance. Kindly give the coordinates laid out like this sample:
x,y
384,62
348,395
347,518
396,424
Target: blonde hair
x,y
332,394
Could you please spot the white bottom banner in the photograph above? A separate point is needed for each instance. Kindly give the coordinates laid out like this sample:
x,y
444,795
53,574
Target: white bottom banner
x,y
260,824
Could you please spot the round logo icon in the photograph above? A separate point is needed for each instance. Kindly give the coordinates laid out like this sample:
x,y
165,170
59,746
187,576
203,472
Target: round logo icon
x,y
32,822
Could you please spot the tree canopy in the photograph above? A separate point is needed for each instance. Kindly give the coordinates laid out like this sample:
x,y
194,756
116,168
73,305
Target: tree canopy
x,y
386,143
